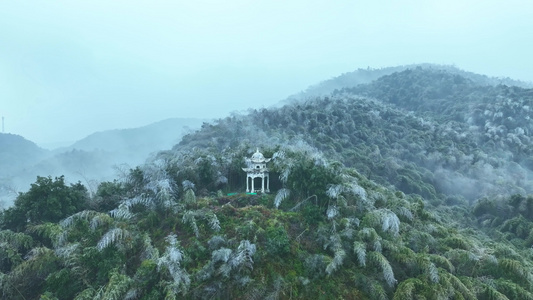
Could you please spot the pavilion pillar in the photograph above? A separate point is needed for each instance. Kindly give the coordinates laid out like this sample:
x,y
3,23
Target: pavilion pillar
x,y
263,183
268,183
247,179
253,189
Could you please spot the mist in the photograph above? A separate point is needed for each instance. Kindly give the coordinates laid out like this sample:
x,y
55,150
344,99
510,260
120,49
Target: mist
x,y
101,156
70,69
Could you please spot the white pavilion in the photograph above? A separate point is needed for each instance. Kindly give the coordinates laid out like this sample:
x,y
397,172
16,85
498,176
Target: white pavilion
x,y
257,168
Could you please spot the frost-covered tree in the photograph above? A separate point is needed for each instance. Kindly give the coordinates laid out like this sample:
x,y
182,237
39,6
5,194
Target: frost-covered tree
x,y
170,263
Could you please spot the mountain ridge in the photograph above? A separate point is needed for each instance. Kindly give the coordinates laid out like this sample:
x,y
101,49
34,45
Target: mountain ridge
x,y
138,137
365,76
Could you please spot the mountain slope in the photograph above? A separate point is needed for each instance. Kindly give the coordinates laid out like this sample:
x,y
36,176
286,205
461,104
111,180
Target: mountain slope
x,y
143,140
17,152
439,139
337,225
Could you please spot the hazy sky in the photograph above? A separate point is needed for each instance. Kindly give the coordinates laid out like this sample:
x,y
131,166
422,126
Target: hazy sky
x,y
69,68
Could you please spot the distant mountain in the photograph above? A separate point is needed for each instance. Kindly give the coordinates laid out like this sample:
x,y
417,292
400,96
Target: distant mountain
x,y
134,144
17,152
92,159
365,76
16,155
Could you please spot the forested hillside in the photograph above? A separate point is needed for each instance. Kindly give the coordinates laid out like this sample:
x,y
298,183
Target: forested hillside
x,y
413,186
425,131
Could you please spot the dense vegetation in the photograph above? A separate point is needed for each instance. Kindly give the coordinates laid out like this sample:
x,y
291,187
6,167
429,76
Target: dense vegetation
x,y
369,202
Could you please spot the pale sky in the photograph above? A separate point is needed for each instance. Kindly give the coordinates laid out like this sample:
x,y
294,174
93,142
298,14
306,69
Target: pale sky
x,y
70,68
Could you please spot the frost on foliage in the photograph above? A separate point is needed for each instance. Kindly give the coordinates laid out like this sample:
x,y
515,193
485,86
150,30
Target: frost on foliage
x,y
337,261
284,163
149,252
111,237
38,252
133,293
121,212
332,211
371,236
216,242
385,266
245,251
280,196
279,155
433,273
82,215
387,219
98,220
138,200
352,222
69,255
164,192
334,191
390,222
360,250
335,244
190,219
171,261
187,185
214,223
404,212
284,176
117,287
159,183
229,260
190,197
358,191
221,179
221,255
349,227
61,239
377,246
491,258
